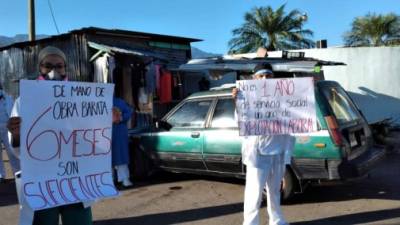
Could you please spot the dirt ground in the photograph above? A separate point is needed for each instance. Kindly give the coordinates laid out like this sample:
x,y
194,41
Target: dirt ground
x,y
185,199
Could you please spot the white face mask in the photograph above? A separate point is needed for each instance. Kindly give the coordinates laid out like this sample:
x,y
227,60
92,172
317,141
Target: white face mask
x,y
54,75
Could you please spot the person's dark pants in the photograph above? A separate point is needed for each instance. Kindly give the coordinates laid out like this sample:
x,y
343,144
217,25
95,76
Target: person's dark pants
x,y
74,214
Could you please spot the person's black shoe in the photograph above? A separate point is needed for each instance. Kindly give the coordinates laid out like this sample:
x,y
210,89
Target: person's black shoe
x,y
2,180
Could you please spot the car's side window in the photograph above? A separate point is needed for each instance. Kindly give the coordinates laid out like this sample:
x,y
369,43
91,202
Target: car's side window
x,y
224,114
190,114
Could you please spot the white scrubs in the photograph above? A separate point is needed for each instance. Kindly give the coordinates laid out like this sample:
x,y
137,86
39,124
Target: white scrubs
x,y
265,158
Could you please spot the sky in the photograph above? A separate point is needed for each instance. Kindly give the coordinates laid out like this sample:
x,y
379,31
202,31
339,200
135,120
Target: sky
x,y
209,20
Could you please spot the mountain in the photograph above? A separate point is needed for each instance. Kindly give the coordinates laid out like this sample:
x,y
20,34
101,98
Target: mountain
x,y
198,54
4,40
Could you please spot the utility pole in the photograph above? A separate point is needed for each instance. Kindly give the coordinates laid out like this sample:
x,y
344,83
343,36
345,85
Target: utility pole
x,y
31,20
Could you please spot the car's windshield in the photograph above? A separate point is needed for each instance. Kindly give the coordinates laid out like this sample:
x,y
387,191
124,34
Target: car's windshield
x,y
343,108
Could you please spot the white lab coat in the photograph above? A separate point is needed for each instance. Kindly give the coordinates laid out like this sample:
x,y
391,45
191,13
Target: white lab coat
x,y
255,147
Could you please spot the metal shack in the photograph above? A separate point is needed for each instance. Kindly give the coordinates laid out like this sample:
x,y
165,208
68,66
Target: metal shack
x,y
138,63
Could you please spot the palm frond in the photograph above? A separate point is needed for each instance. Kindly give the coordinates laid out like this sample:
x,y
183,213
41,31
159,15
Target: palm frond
x,y
273,29
373,30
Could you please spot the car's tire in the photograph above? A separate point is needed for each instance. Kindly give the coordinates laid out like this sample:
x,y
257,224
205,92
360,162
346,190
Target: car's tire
x,y
288,186
141,165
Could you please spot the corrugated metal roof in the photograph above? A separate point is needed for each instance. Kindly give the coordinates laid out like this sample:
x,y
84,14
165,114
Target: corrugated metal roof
x,y
128,51
102,31
11,69
136,34
21,63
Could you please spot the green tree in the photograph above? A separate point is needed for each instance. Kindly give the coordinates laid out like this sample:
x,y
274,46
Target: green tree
x,y
374,30
273,30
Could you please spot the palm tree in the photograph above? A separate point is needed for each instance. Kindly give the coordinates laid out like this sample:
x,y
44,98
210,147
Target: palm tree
x,y
374,30
273,30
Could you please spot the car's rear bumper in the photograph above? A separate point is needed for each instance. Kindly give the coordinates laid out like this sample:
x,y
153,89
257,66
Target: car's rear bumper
x,y
326,169
358,166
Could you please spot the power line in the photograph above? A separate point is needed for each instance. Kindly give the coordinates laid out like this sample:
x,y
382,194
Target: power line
x,y
52,15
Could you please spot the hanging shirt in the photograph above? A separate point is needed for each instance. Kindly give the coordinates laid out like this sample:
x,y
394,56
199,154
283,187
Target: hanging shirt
x,y
151,78
101,69
158,79
166,87
111,67
143,96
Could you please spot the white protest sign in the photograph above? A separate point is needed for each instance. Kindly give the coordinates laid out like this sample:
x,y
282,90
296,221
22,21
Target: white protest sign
x,y
65,142
276,106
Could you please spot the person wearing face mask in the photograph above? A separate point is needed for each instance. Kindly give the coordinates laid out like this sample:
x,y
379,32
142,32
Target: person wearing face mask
x,y
51,63
6,103
265,158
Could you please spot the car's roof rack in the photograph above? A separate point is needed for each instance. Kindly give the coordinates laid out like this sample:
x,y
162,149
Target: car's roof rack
x,y
224,86
289,62
293,55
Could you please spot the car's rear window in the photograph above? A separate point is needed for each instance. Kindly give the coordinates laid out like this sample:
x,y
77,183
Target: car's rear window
x,y
342,107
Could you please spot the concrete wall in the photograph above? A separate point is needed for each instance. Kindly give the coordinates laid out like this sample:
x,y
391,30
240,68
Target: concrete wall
x,y
371,76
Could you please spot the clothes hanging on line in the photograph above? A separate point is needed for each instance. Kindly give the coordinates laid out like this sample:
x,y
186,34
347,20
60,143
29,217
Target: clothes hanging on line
x,y
158,77
151,78
100,69
143,96
165,86
103,69
111,67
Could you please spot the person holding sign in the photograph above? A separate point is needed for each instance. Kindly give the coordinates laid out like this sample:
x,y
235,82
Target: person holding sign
x,y
52,64
122,112
265,158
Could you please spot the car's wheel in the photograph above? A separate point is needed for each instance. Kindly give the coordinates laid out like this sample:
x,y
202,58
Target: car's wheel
x,y
287,187
141,165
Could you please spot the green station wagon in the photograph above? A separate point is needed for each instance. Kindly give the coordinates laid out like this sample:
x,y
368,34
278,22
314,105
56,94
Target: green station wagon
x,y
200,135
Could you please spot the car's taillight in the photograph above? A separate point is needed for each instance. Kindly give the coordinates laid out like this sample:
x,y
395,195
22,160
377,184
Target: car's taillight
x,y
334,129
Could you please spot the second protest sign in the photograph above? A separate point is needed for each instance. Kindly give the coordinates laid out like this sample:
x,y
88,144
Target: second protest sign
x,y
276,106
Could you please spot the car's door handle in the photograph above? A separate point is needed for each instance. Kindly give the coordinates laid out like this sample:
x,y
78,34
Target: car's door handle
x,y
195,134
